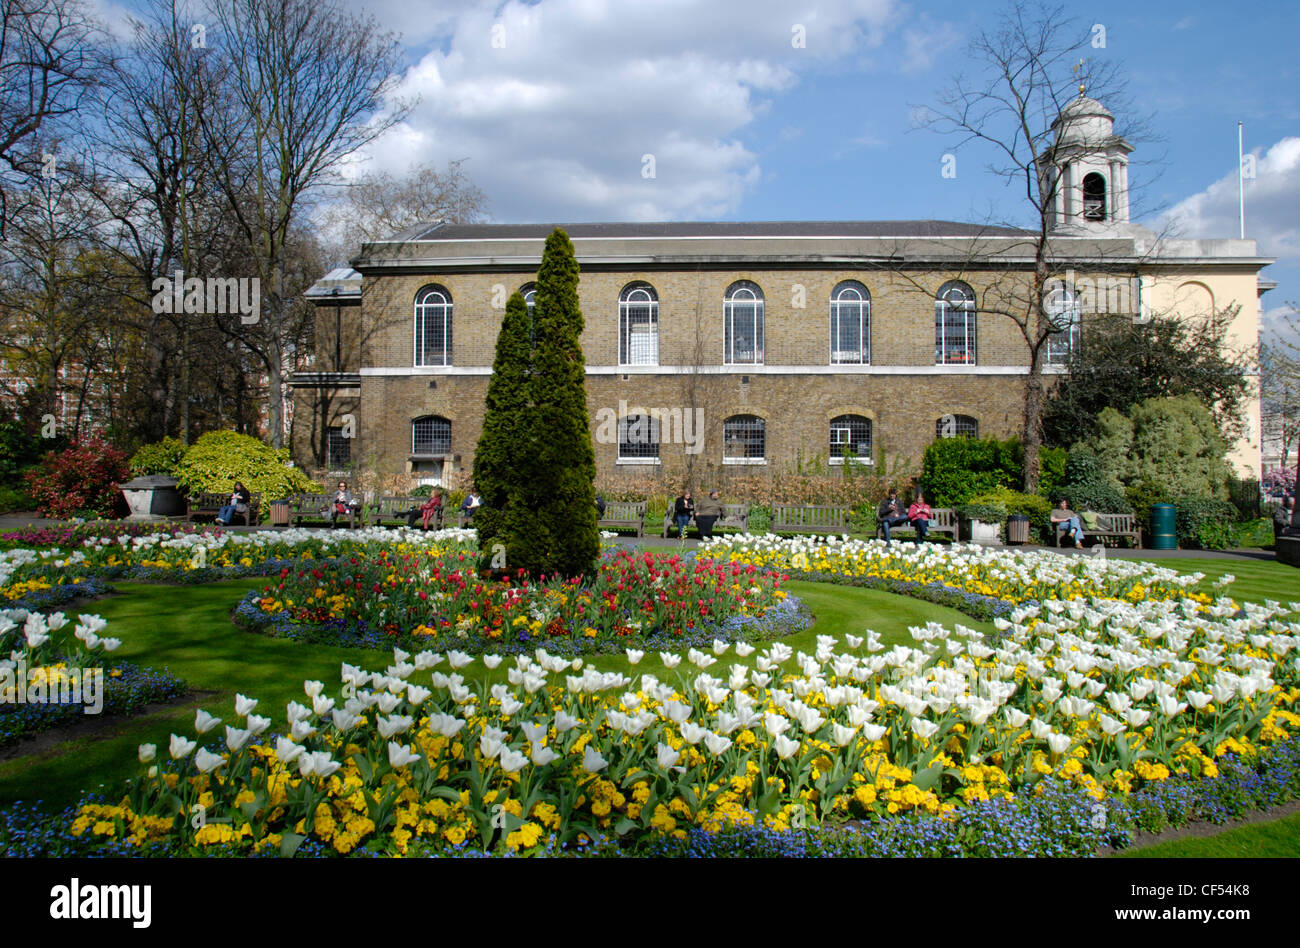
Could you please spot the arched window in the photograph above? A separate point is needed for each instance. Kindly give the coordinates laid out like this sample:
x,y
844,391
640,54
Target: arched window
x,y
954,325
1094,197
742,311
956,426
850,324
638,439
638,325
744,440
433,326
850,438
530,297
430,436
1062,308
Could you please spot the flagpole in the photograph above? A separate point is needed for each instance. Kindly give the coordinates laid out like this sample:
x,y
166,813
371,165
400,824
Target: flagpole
x,y
1241,181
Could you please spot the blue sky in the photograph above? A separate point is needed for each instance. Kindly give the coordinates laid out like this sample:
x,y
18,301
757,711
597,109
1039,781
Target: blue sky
x,y
555,103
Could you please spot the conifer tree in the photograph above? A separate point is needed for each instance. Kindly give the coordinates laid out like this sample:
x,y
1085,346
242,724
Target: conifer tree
x,y
500,452
551,520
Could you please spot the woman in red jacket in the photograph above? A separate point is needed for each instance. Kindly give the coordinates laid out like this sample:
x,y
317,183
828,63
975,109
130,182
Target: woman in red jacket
x,y
919,516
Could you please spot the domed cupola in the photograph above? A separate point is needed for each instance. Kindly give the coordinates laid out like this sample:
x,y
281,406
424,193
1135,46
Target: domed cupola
x,y
1086,176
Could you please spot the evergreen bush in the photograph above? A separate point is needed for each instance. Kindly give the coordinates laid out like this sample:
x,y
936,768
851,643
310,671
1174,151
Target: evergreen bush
x,y
219,458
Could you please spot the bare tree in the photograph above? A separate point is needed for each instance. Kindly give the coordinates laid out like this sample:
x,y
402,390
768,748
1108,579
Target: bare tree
x,y
1033,67
49,58
378,205
306,85
1279,386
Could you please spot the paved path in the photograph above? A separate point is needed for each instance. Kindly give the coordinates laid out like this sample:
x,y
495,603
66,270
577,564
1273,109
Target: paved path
x,y
10,522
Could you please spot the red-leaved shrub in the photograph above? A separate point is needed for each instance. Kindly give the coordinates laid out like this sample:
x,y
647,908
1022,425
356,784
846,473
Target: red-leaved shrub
x,y
83,477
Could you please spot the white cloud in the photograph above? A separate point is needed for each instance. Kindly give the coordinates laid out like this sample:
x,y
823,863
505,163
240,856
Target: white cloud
x,y
1272,204
924,43
556,117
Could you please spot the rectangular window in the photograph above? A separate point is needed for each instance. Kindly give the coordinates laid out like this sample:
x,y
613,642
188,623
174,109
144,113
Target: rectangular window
x,y
340,450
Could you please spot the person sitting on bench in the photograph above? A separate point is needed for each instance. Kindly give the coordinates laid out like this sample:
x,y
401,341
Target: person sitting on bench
x,y
1068,524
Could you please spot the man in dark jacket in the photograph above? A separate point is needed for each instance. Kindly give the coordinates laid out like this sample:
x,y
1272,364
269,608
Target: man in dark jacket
x,y
683,510
890,513
707,513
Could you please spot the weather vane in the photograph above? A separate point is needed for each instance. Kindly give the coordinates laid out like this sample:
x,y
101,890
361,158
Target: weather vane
x,y
1078,71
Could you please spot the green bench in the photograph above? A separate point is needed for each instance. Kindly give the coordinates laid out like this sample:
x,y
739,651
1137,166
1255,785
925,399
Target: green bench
x,y
809,518
735,516
209,504
942,520
624,515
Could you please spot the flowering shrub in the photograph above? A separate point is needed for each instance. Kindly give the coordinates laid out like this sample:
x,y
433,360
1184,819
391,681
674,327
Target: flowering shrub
x,y
1070,701
84,476
432,595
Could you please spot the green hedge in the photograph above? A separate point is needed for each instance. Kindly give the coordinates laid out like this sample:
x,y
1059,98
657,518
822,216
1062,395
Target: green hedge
x,y
219,458
1205,522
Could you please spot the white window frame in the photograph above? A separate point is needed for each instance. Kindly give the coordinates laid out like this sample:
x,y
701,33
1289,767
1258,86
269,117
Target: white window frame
x,y
635,296
1061,345
862,303
847,433
753,296
943,310
623,425
424,311
761,425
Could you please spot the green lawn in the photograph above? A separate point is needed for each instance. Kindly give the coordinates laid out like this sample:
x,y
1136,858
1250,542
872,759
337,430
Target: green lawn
x,y
188,629
1258,840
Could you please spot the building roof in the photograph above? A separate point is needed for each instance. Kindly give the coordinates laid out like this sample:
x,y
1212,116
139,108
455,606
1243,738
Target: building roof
x,y
440,230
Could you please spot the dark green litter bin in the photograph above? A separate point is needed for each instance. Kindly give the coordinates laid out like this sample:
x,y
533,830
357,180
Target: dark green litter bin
x,y
1164,518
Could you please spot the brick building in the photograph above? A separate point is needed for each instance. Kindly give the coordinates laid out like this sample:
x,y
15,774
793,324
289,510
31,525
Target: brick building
x,y
756,345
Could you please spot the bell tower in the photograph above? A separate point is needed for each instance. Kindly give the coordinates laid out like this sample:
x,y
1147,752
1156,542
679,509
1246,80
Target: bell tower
x,y
1086,184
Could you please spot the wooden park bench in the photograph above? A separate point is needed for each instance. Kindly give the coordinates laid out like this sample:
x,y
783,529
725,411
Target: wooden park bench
x,y
1109,526
209,504
735,516
791,518
943,520
622,514
315,508
395,510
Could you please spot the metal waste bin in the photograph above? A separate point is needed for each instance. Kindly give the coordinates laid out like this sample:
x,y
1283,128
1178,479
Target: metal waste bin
x,y
1164,533
1017,528
279,513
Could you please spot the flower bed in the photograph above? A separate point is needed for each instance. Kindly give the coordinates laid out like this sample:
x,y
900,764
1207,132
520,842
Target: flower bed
x,y
1086,700
432,598
1016,576
204,556
50,678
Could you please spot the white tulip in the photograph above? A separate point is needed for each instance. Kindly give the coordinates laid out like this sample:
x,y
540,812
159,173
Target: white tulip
x,y
458,659
399,755
491,661
841,734
322,705
774,724
744,649
543,755
592,761
1109,725
720,647
924,729
236,738
1058,743
565,722
180,747
313,688
634,655
716,743
387,703
670,660
666,756
286,750
207,761
244,706
1040,729
489,747
301,730
785,748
